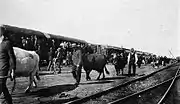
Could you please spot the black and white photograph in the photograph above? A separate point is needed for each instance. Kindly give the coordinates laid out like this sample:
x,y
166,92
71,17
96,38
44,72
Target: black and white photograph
x,y
89,52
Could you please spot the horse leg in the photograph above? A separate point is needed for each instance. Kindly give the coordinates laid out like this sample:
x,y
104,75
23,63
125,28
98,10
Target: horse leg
x,y
138,65
87,75
103,73
117,71
122,70
31,79
34,83
99,75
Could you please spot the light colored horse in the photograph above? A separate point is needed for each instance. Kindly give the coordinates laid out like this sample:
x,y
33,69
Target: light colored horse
x,y
27,65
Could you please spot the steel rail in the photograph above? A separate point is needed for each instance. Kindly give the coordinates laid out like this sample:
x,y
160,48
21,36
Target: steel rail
x,y
165,94
150,88
116,87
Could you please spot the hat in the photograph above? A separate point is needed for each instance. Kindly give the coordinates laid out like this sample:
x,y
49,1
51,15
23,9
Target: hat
x,y
73,45
132,49
78,45
62,44
58,49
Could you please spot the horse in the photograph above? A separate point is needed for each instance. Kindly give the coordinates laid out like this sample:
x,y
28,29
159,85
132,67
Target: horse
x,y
27,65
119,62
89,62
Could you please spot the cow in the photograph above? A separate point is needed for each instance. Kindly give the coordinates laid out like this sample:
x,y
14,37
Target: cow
x,y
119,62
27,65
89,62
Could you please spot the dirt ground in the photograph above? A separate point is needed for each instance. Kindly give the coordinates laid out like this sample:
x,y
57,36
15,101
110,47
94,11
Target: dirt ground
x,y
59,88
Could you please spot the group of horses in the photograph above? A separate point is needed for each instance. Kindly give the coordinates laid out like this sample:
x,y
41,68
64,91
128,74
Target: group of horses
x,y
28,65
97,62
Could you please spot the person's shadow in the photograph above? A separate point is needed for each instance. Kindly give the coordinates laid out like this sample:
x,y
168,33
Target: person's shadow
x,y
44,94
53,90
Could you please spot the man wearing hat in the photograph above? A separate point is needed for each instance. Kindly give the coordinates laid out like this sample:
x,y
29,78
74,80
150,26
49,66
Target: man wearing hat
x,y
132,60
7,56
60,55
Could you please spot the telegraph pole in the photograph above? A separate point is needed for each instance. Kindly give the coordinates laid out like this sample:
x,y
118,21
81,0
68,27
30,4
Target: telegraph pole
x,y
171,54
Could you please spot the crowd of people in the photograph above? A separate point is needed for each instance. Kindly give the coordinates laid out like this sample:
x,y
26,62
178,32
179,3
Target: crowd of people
x,y
47,49
133,60
60,53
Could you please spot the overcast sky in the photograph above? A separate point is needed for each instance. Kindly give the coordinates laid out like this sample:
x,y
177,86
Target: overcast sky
x,y
147,25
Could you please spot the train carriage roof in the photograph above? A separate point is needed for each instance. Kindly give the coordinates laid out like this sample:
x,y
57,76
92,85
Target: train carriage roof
x,y
24,31
114,48
28,32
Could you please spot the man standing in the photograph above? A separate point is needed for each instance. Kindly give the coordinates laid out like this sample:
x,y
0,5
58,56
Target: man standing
x,y
132,61
77,63
7,58
51,56
59,55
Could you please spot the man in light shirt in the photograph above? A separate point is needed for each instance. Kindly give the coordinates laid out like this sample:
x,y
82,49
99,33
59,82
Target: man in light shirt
x,y
132,61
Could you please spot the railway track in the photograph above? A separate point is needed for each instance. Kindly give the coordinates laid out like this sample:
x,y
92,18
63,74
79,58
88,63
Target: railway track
x,y
150,95
133,88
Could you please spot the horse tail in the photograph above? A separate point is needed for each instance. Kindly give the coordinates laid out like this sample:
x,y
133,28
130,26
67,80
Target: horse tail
x,y
106,61
107,72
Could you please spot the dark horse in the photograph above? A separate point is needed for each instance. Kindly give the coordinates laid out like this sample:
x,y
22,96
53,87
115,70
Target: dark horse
x,y
89,62
119,62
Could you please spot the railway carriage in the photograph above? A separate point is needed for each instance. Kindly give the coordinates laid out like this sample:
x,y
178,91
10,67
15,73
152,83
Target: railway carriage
x,y
37,41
